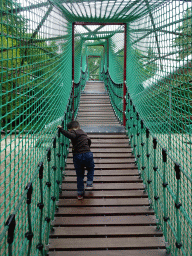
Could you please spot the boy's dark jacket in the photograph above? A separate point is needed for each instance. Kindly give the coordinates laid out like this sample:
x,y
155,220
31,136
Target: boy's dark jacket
x,y
80,141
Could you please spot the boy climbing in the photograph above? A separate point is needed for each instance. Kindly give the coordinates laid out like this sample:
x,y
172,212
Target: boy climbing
x,y
82,156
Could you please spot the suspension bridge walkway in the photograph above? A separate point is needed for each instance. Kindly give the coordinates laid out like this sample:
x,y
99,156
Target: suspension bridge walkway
x,y
115,218
124,70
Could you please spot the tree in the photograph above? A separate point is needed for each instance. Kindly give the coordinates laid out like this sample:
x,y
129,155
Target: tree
x,y
26,66
94,61
183,40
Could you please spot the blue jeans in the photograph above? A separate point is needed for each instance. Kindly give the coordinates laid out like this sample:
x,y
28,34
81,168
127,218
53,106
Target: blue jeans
x,y
82,161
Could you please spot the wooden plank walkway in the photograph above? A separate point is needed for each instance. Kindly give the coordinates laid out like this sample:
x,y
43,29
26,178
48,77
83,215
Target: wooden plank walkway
x,y
114,218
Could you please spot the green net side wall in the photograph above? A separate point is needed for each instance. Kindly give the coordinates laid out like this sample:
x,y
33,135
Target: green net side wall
x,y
36,85
159,111
113,71
78,64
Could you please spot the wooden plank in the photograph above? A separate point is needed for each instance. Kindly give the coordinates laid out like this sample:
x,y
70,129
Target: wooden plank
x,y
106,193
107,136
112,243
109,160
141,252
107,186
93,102
98,211
92,118
114,141
109,155
108,149
107,231
95,122
111,179
104,202
129,172
108,166
111,150
106,220
89,115
110,145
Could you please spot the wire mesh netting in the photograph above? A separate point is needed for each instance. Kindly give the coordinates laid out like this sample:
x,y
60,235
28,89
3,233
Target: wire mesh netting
x,y
39,91
159,86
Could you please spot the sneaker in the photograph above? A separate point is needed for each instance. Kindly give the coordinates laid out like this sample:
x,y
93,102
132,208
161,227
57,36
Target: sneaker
x,y
89,187
79,197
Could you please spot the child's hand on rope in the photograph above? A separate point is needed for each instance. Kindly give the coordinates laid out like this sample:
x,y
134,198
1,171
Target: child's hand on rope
x,y
59,126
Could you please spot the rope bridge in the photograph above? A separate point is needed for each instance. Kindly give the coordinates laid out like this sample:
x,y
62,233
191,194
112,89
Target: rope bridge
x,y
49,49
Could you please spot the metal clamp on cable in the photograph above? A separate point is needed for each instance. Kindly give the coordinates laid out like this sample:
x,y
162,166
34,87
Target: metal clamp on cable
x,y
11,224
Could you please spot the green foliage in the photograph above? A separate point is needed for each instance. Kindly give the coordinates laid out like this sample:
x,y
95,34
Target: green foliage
x,y
25,62
183,40
94,62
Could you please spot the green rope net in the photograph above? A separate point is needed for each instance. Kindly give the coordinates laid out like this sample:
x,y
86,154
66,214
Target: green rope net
x,y
149,84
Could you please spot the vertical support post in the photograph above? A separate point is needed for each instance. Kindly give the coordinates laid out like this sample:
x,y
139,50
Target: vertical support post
x,y
107,65
41,206
138,144
165,184
73,64
134,131
148,165
62,153
29,234
155,168
55,194
124,78
142,151
48,184
11,231
59,179
107,55
178,205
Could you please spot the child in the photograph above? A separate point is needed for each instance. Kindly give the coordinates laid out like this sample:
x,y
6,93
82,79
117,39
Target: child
x,y
82,156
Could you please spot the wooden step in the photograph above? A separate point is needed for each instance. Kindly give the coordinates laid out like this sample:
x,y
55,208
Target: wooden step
x,y
106,186
110,243
108,166
106,194
117,155
110,160
104,210
140,220
105,202
141,252
125,172
109,231
106,179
